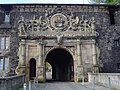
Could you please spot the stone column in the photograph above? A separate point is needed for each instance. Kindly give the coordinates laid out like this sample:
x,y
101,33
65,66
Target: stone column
x,y
40,64
95,64
40,52
27,63
79,61
22,58
79,52
23,52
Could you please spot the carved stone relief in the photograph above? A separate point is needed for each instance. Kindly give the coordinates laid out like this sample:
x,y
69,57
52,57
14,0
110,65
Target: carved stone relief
x,y
58,21
22,26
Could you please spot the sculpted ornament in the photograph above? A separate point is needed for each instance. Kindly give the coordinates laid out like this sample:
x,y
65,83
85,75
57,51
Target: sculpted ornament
x,y
37,24
22,26
74,21
59,39
57,21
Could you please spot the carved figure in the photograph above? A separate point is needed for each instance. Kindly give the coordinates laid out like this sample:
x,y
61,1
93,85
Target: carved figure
x,y
22,26
59,22
59,38
93,24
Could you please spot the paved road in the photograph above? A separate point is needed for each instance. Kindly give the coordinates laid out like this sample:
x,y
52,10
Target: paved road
x,y
66,86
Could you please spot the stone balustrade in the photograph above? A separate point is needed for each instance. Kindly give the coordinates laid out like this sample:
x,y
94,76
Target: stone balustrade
x,y
12,82
111,80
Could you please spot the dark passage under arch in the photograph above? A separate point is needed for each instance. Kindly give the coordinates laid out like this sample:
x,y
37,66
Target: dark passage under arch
x,y
62,64
32,70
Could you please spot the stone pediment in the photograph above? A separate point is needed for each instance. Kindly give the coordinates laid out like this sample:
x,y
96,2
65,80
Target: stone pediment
x,y
57,21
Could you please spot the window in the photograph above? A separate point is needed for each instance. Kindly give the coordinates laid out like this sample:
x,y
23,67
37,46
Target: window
x,y
118,65
1,63
116,42
2,39
7,17
4,63
7,43
111,14
4,43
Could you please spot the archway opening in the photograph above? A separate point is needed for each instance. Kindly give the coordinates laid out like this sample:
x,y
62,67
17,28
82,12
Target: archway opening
x,y
32,70
48,71
61,62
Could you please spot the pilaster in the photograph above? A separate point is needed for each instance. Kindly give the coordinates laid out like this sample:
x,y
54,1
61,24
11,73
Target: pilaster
x,y
79,63
22,58
95,64
40,64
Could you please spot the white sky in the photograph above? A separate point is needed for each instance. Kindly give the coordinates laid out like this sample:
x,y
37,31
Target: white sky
x,y
46,1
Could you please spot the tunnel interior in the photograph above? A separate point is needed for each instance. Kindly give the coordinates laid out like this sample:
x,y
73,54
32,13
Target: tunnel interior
x,y
62,65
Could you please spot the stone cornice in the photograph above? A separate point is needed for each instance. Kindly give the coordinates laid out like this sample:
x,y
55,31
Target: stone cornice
x,y
70,8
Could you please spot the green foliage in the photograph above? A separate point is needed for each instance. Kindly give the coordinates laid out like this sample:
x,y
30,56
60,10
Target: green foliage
x,y
106,1
97,1
47,65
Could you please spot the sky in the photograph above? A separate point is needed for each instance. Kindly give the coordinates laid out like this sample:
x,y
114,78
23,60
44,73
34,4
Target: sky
x,y
45,1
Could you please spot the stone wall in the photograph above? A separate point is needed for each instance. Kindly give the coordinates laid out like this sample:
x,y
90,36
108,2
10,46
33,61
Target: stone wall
x,y
12,83
106,79
1,15
108,54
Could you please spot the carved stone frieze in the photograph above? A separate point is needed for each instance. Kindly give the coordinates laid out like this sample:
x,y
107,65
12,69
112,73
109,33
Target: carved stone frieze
x,y
58,21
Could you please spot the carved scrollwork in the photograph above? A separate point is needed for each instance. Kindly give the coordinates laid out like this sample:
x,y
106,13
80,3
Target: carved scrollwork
x,y
57,21
37,24
43,23
87,25
32,24
74,21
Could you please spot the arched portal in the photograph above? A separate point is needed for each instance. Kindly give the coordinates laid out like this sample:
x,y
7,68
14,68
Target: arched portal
x,y
32,70
62,64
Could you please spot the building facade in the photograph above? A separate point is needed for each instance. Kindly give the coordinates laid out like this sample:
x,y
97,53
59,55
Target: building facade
x,y
73,39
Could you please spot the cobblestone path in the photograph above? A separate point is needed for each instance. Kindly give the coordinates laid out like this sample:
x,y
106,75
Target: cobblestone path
x,y
66,86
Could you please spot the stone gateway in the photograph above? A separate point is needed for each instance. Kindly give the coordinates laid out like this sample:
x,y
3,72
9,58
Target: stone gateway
x,y
73,39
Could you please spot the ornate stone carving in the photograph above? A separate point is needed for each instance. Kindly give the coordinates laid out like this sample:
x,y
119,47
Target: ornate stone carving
x,y
74,22
59,21
22,26
37,24
59,39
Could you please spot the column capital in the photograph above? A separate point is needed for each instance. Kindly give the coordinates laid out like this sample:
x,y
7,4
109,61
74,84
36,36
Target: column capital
x,y
79,41
23,42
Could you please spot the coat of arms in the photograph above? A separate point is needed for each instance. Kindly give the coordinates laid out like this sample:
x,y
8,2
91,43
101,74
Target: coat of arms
x,y
59,21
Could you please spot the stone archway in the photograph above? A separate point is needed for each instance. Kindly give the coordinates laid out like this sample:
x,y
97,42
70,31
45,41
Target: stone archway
x,y
32,70
62,64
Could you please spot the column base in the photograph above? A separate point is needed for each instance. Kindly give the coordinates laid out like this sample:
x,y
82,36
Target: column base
x,y
95,68
40,74
80,73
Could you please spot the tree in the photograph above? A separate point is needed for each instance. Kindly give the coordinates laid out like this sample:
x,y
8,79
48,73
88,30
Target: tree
x,y
106,1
